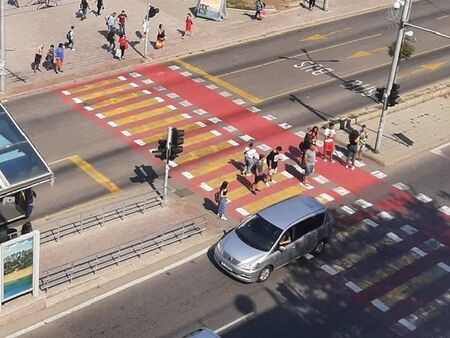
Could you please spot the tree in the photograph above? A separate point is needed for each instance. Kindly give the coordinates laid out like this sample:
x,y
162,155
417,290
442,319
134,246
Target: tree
x,y
405,52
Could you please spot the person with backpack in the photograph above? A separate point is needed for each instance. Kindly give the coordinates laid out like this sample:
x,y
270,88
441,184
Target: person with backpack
x,y
221,200
249,159
352,147
123,45
258,171
111,22
259,10
70,38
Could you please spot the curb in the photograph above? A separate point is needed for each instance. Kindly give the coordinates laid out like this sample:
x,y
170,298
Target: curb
x,y
132,63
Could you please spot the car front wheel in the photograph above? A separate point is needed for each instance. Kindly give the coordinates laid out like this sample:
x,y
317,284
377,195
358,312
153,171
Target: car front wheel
x,y
264,274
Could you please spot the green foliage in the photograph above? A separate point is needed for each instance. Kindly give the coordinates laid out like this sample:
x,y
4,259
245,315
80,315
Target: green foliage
x,y
406,51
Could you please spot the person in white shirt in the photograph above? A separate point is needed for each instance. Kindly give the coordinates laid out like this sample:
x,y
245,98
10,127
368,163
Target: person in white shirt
x,y
328,145
250,156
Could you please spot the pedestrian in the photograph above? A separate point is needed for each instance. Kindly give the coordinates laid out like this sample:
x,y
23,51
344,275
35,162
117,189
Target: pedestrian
x,y
26,228
38,58
363,136
122,18
312,3
111,38
111,21
123,45
160,37
249,159
352,148
59,55
188,28
100,6
221,199
258,171
259,14
314,135
50,59
310,162
29,195
272,162
304,146
328,145
70,38
84,8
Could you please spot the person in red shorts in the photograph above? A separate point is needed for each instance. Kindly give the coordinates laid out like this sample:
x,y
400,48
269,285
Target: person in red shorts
x,y
328,143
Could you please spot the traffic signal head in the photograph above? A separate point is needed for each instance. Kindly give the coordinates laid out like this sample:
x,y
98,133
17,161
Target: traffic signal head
x,y
395,95
161,152
379,94
152,11
176,144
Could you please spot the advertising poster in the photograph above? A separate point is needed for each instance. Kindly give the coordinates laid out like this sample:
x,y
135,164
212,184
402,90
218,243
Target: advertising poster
x,y
18,273
212,9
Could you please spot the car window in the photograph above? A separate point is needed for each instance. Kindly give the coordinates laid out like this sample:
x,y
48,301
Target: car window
x,y
258,233
308,225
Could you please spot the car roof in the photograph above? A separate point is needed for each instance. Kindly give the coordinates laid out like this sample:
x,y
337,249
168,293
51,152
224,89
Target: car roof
x,y
284,213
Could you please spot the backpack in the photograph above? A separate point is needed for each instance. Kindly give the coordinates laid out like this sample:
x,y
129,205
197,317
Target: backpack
x,y
217,196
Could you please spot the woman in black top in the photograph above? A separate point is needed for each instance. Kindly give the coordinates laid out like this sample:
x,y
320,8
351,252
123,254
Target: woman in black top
x,y
352,147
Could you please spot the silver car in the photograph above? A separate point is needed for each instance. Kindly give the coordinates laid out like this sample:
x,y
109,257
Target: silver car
x,y
274,237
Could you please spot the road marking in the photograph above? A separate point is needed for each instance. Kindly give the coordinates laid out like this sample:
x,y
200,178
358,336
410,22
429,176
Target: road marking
x,y
273,198
155,137
127,108
217,164
441,17
153,125
105,92
118,99
317,37
200,138
205,151
438,150
351,74
242,191
428,67
144,115
249,97
365,53
90,86
229,177
426,312
94,173
408,288
234,322
109,293
298,55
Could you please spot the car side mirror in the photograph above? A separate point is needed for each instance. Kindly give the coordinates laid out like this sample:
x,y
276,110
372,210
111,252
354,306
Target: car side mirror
x,y
282,248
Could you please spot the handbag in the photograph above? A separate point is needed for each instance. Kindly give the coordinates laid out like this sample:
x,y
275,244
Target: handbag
x,y
118,53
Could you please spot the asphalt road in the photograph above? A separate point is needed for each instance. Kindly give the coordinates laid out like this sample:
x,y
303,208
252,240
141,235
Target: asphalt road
x,y
279,70
299,299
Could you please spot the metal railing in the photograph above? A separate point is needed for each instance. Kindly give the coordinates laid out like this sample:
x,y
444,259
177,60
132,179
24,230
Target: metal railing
x,y
113,256
98,216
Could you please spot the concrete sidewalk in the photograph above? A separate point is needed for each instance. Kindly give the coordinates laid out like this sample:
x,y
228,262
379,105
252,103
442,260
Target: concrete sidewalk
x,y
27,28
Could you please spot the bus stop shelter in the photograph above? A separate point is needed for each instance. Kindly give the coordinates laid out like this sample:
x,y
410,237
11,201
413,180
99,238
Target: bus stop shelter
x,y
21,168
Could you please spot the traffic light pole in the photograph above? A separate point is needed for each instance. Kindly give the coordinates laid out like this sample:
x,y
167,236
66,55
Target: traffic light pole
x,y
2,46
166,165
146,27
393,72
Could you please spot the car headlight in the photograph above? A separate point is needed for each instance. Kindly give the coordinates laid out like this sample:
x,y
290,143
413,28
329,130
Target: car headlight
x,y
219,247
249,266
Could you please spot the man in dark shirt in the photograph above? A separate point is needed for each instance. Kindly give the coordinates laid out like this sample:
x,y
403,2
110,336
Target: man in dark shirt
x,y
272,162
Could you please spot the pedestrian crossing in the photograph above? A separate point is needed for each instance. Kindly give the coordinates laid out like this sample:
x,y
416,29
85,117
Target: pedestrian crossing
x,y
139,106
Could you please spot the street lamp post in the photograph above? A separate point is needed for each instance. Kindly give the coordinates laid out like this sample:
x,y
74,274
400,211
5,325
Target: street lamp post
x,y
393,72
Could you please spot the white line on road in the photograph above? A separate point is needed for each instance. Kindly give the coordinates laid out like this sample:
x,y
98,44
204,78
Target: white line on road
x,y
234,322
109,293
438,150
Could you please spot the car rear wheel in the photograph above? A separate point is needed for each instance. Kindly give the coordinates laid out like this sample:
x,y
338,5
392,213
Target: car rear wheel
x,y
320,247
264,274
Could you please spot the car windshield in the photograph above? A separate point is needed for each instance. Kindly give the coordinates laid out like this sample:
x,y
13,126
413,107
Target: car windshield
x,y
258,233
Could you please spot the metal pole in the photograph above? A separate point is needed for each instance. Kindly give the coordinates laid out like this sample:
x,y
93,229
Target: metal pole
x,y
393,72
326,5
146,27
167,167
2,46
